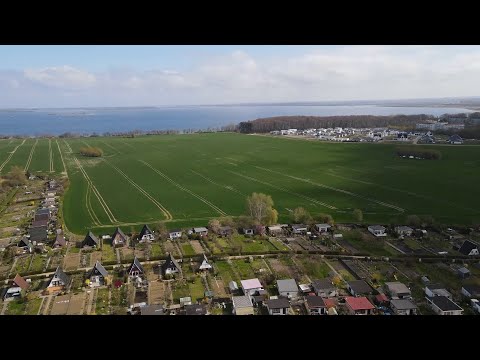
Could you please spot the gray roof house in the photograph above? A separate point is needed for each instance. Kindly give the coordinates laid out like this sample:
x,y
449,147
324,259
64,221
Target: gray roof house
x,y
398,290
171,266
278,306
442,305
324,288
59,281
90,240
288,288
377,230
403,307
97,275
471,290
463,272
242,305
432,290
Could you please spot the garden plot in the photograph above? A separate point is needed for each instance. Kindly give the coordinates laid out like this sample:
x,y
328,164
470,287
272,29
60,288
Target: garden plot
x,y
156,292
197,247
171,248
77,304
94,257
126,254
71,262
60,305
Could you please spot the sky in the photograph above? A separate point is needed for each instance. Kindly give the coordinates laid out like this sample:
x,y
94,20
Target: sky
x,y
113,75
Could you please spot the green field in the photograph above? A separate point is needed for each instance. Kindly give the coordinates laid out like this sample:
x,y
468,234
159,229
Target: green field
x,y
187,179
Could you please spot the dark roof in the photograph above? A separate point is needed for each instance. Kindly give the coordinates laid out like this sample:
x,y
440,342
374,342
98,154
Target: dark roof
x,y
42,212
90,239
196,309
170,260
62,276
136,263
445,304
298,226
24,242
322,284
145,230
60,239
175,230
455,137
43,222
403,304
40,217
119,231
38,233
20,282
315,301
152,310
279,303
472,289
360,287
467,246
435,286
100,269
225,228
464,270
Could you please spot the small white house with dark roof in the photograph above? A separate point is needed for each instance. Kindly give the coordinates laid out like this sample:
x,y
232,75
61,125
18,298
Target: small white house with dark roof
x,y
471,290
322,228
315,305
469,248
90,241
146,234
442,305
324,288
288,288
403,230
171,266
59,281
175,234
455,139
136,269
403,307
377,230
278,306
119,238
98,275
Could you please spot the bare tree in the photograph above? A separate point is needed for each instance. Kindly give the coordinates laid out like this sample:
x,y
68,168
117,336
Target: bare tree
x,y
259,206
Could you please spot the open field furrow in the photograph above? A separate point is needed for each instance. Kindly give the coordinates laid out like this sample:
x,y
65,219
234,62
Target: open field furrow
x,y
29,160
217,184
52,169
61,157
336,189
68,147
10,156
331,172
111,147
104,205
285,190
88,204
129,145
214,207
164,210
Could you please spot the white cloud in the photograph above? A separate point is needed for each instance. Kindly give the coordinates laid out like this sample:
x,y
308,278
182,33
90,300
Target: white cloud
x,y
325,73
65,77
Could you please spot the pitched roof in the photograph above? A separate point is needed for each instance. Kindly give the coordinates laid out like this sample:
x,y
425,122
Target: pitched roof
x,y
20,282
91,237
403,304
145,230
200,229
119,231
472,289
60,239
323,284
444,303
397,287
467,246
377,227
359,303
152,310
241,301
136,263
175,231
24,242
100,269
323,225
250,284
287,285
280,303
360,287
455,137
403,228
464,270
37,223
315,302
381,297
169,261
61,275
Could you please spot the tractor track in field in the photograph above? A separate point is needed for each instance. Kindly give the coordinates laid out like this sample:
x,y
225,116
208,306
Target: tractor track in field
x,y
125,143
52,169
111,147
285,190
202,199
68,147
104,205
30,156
11,154
398,208
217,184
148,222
89,207
61,157
162,208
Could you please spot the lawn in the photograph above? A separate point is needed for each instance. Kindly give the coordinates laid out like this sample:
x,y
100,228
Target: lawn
x,y
244,269
413,244
156,250
22,264
38,263
197,290
101,304
320,176
16,307
33,306
187,250
279,245
315,268
108,253
180,289
226,272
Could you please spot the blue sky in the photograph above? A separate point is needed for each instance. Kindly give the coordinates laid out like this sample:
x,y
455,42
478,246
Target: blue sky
x,y
99,75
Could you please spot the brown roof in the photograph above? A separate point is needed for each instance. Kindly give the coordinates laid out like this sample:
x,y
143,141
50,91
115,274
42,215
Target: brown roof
x,y
20,282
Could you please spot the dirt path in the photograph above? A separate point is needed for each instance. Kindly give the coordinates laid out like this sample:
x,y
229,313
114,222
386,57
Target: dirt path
x,y
13,266
4,308
90,297
47,304
117,252
30,156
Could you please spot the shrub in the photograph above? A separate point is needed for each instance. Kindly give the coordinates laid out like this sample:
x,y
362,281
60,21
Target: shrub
x,y
428,154
91,151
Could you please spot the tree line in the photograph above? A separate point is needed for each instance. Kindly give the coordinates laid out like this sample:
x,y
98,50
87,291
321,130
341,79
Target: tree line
x,y
429,154
264,125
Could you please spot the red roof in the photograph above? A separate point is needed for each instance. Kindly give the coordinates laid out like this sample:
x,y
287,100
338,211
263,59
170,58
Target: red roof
x,y
359,303
381,298
329,303
20,282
